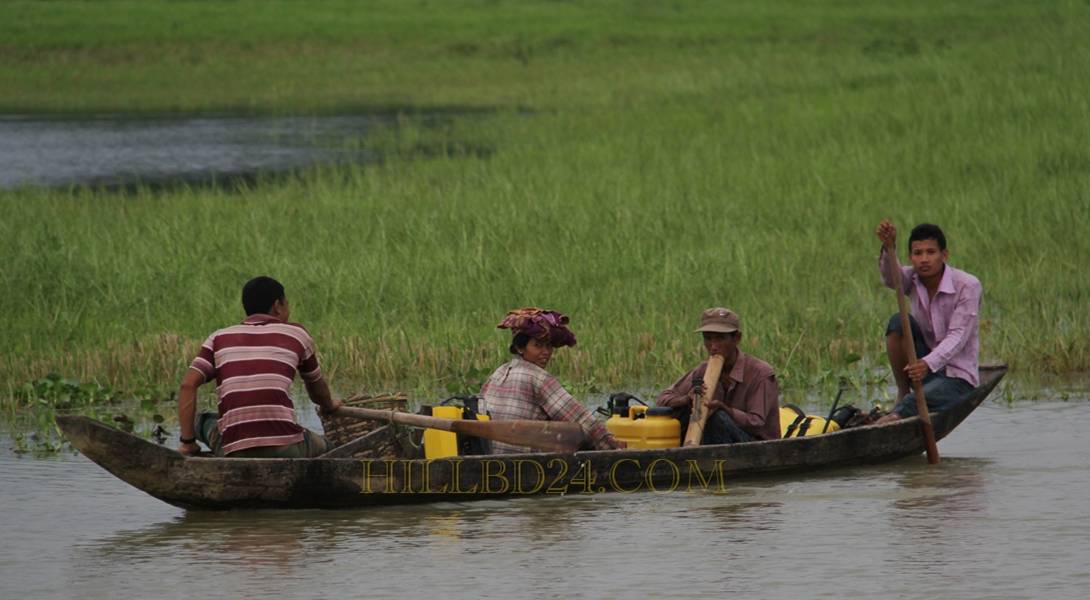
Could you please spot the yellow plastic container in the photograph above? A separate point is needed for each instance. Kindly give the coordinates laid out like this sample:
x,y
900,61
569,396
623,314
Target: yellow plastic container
x,y
439,443
795,423
622,426
640,429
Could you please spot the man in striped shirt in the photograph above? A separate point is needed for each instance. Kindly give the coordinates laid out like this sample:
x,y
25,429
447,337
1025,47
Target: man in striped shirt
x,y
254,364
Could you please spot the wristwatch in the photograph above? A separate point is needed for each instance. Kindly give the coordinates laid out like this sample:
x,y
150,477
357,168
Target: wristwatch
x,y
185,440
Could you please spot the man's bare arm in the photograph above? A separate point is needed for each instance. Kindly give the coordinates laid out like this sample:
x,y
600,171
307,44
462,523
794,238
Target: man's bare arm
x,y
187,409
319,394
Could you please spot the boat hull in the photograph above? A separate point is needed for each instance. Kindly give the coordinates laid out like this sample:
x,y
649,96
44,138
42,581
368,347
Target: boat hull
x,y
229,483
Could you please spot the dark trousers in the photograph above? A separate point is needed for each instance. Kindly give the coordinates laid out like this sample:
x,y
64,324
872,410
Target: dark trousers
x,y
719,428
208,434
941,392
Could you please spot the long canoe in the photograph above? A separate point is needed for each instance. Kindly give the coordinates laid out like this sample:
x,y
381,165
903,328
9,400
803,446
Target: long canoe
x,y
228,483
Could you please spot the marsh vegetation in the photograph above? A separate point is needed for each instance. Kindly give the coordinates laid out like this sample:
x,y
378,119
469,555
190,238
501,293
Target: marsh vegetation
x,y
645,160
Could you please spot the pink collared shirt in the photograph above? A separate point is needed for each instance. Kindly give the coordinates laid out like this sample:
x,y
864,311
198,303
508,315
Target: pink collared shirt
x,y
948,321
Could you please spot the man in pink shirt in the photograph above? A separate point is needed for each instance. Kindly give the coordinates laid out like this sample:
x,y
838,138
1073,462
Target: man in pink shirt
x,y
945,302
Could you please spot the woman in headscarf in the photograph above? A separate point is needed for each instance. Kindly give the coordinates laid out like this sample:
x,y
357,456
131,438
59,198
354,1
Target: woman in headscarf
x,y
523,389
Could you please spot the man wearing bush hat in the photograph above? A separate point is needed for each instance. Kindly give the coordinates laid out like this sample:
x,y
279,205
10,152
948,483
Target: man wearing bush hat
x,y
746,403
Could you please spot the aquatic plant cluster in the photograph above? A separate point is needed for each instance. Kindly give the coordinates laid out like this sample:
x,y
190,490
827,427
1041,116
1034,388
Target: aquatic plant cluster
x,y
55,392
646,161
29,414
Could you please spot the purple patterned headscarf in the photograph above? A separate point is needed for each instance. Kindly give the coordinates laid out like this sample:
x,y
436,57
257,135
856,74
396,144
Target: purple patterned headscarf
x,y
544,325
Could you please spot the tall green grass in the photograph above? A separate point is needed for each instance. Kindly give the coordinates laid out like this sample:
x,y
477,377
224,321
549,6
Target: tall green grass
x,y
286,56
677,158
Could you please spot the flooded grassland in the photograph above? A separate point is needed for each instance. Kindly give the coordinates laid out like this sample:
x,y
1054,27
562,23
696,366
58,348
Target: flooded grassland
x,y
745,163
635,164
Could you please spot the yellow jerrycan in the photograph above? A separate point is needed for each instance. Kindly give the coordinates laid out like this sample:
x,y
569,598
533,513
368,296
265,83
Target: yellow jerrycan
x,y
442,444
642,426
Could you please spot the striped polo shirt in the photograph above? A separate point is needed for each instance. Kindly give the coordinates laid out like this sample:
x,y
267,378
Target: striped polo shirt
x,y
254,364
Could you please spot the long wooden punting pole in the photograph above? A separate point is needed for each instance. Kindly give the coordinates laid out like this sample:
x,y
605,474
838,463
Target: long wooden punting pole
x,y
698,417
552,436
910,352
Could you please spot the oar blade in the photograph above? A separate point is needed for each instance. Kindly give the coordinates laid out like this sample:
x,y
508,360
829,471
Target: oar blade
x,y
551,436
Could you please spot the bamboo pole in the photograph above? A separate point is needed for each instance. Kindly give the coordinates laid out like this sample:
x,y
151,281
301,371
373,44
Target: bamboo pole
x,y
698,416
910,352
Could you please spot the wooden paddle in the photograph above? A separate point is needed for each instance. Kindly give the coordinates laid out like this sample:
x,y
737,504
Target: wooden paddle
x,y
698,416
910,352
553,436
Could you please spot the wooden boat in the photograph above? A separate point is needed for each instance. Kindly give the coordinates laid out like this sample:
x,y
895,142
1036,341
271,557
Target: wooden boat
x,y
227,483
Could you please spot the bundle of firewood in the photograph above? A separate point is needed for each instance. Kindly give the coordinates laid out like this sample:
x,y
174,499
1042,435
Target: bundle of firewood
x,y
341,430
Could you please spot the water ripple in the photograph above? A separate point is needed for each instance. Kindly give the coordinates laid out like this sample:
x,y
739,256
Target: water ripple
x,y
1003,516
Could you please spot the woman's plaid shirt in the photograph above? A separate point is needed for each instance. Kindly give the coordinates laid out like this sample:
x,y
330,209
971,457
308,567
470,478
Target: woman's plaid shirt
x,y
520,389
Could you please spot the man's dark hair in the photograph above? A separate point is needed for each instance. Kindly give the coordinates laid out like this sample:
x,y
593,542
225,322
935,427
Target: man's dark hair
x,y
927,231
260,293
519,341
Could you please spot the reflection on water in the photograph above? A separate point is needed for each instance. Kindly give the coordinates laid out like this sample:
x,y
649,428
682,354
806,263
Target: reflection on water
x,y
1003,516
953,491
758,515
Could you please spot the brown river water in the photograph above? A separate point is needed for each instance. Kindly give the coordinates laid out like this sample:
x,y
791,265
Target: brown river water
x,y
1005,515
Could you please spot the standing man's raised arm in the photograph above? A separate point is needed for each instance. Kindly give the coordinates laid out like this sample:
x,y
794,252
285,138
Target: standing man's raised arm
x,y
887,234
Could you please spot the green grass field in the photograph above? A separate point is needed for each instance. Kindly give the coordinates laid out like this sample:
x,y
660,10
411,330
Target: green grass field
x,y
649,159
